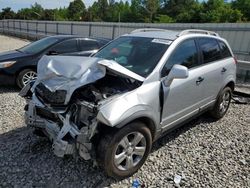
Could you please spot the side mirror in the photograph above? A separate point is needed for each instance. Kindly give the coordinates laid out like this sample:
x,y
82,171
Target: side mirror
x,y
177,71
52,53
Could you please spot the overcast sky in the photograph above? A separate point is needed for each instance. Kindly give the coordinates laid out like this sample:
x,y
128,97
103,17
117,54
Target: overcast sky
x,y
18,4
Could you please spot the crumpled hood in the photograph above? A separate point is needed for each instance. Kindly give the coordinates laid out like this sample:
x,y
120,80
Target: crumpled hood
x,y
120,70
71,72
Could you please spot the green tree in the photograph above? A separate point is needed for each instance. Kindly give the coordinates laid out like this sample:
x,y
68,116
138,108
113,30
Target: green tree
x,y
217,11
93,12
183,10
61,14
103,9
36,11
49,14
76,10
161,18
137,10
24,13
7,13
244,7
151,7
125,12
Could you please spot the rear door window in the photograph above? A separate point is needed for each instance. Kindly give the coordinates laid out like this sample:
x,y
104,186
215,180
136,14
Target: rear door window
x,y
87,45
67,46
225,52
210,49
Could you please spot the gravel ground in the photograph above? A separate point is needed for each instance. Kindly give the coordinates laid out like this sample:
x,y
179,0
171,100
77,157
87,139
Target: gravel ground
x,y
10,43
203,152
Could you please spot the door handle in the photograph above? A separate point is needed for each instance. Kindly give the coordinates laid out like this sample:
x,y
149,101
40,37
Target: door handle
x,y
223,70
199,80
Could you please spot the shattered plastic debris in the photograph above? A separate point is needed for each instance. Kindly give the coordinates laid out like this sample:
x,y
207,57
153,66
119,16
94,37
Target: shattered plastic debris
x,y
136,183
177,179
243,161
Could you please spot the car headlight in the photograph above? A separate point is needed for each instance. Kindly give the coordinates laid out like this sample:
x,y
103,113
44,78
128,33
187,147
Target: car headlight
x,y
6,64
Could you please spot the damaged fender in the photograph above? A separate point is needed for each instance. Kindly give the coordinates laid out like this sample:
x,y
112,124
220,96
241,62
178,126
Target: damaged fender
x,y
141,102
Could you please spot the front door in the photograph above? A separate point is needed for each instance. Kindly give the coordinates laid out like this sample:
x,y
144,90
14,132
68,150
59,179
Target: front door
x,y
183,97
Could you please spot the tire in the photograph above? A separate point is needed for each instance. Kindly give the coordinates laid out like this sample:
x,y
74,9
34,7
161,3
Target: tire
x,y
25,76
222,104
113,144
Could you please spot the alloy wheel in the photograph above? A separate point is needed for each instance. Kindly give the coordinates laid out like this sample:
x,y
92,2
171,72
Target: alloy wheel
x,y
130,151
29,76
225,102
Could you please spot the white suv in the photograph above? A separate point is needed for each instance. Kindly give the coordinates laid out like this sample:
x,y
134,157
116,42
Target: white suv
x,y
112,106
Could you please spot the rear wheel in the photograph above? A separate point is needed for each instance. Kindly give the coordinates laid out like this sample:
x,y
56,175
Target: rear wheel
x,y
123,152
222,104
25,76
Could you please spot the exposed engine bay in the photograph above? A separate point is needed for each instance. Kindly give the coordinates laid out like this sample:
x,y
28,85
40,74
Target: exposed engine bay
x,y
71,125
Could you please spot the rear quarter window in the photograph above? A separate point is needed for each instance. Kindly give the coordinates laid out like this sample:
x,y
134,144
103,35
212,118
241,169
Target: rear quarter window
x,y
210,49
225,52
86,45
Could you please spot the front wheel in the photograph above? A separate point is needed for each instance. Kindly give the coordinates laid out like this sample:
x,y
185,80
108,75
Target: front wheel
x,y
222,104
25,76
122,153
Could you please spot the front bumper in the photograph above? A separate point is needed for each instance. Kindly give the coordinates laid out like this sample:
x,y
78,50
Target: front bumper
x,y
53,130
7,79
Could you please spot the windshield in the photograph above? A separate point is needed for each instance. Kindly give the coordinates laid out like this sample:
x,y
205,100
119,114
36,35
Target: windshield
x,y
38,46
138,54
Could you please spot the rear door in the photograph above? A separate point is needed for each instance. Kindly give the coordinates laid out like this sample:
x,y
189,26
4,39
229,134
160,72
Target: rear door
x,y
214,68
87,47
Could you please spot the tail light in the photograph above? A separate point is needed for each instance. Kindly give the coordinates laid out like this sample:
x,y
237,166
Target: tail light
x,y
235,60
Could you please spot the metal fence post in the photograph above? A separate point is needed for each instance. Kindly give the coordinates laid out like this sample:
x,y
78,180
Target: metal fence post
x,y
20,26
3,27
113,31
36,30
90,27
71,28
14,28
8,27
27,24
45,28
57,28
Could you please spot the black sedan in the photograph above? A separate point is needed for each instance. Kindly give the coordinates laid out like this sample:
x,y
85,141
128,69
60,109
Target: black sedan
x,y
19,66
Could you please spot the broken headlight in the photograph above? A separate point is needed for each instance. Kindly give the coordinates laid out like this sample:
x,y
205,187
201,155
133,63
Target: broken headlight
x,y
49,97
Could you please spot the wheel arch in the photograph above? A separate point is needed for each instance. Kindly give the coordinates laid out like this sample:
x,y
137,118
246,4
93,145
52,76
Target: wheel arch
x,y
23,68
230,84
148,121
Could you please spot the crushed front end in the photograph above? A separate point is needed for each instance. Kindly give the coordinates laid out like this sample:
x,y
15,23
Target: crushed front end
x,y
70,127
63,103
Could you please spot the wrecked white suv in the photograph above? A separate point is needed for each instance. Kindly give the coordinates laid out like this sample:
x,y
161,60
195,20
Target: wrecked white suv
x,y
112,106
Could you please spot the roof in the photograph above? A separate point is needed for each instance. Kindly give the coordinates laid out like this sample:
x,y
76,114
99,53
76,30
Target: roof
x,y
169,34
164,34
78,36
